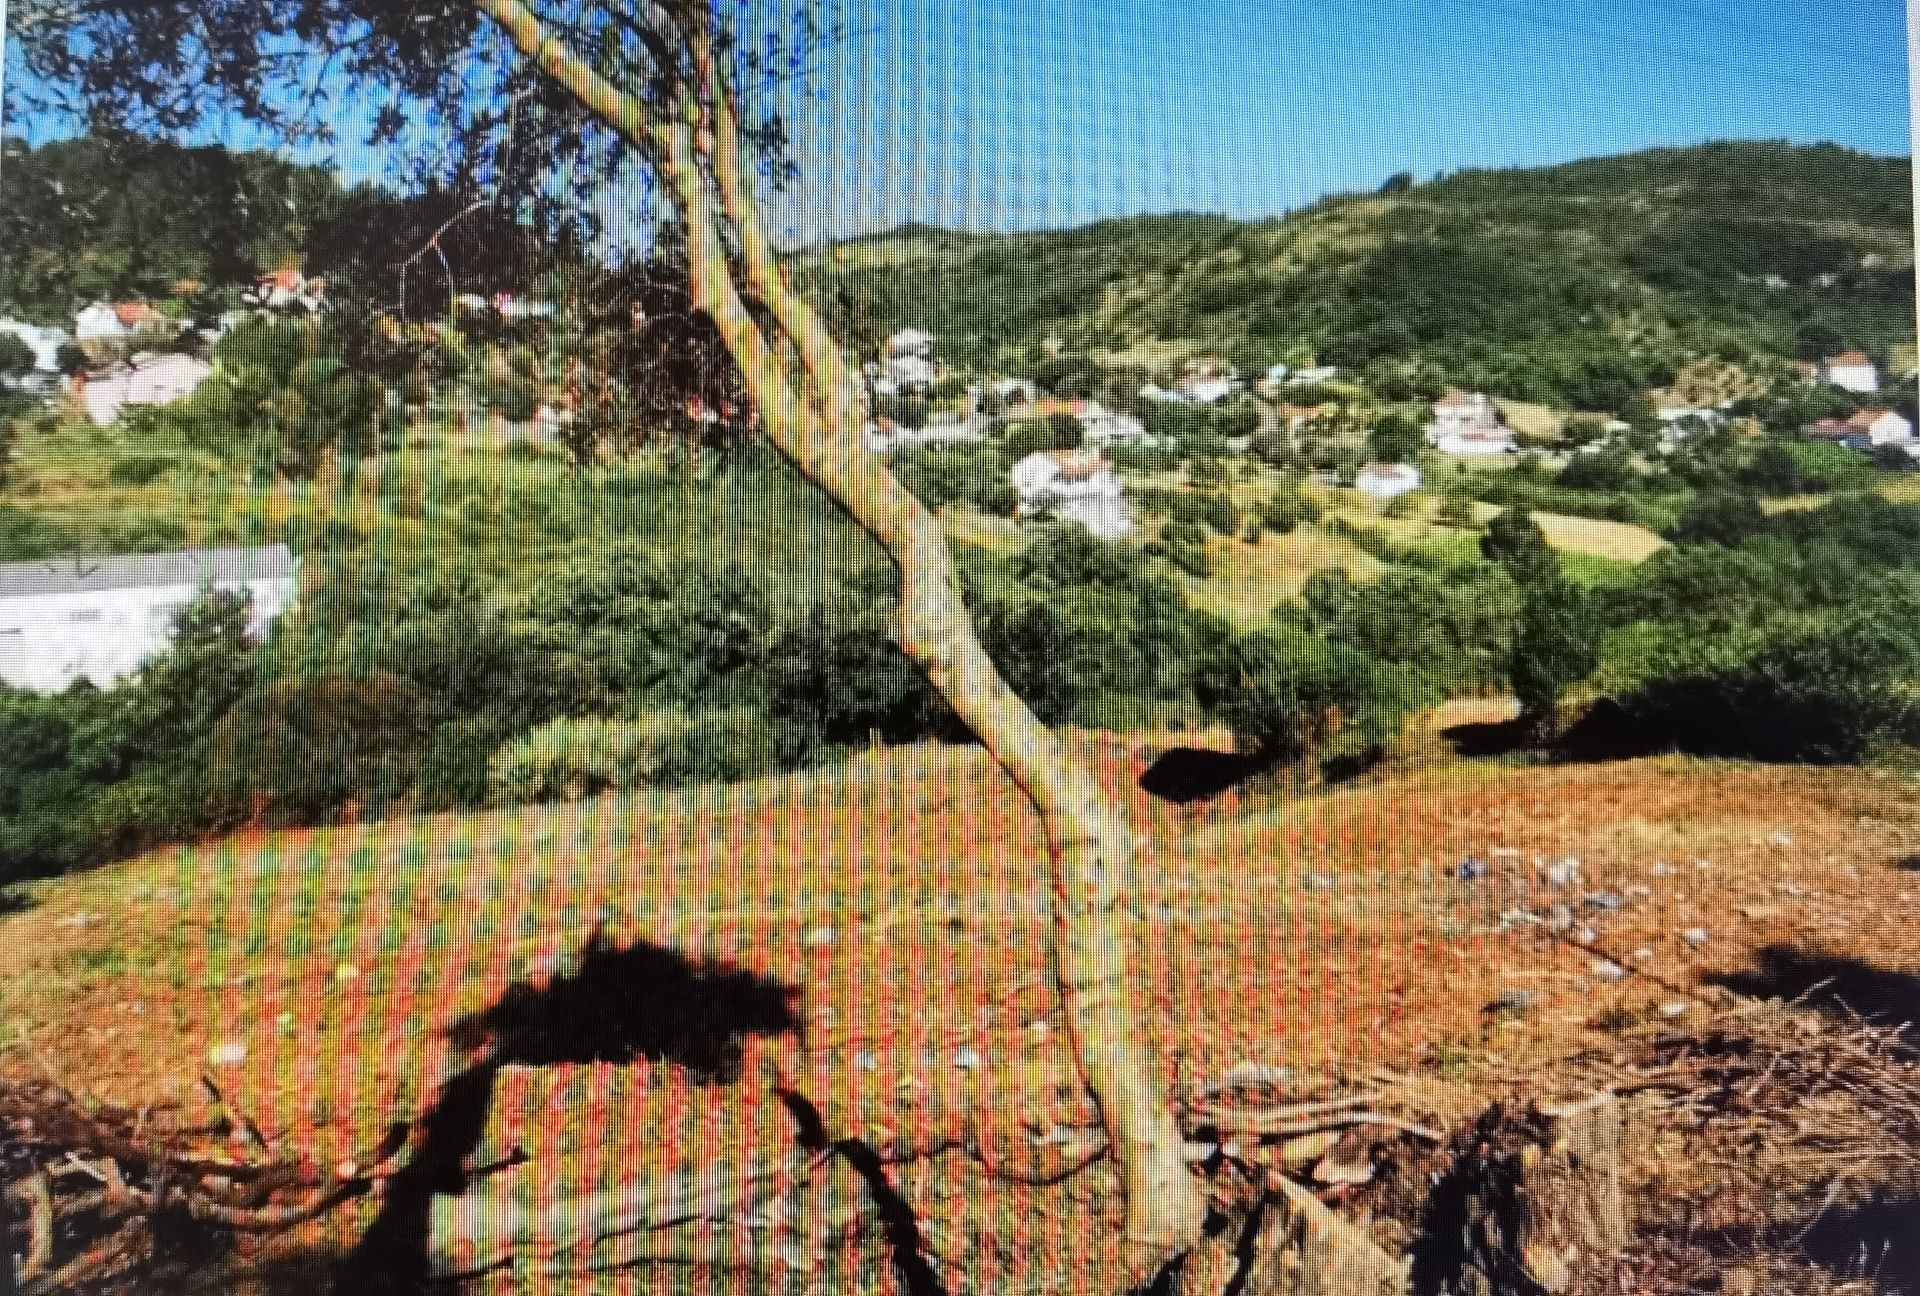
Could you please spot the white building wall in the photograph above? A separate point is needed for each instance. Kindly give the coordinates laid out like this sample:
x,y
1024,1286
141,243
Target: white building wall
x,y
49,641
1854,378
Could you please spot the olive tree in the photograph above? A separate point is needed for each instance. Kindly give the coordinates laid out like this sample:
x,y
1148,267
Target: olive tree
x,y
667,93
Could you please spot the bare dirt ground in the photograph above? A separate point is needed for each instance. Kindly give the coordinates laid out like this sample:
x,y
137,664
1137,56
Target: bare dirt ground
x,y
873,940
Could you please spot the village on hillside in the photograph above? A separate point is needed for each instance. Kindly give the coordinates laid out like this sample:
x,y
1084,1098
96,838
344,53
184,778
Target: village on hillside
x,y
519,764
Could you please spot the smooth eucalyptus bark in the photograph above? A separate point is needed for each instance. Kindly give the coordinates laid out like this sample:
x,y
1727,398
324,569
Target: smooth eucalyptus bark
x,y
1090,846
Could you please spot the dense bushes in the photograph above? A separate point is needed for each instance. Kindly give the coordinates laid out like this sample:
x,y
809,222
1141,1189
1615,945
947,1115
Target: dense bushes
x,y
90,767
1189,423
837,675
572,758
1287,696
972,475
1556,642
299,749
1451,627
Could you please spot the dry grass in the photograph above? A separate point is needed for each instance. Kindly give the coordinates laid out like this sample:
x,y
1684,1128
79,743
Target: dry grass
x,y
1247,581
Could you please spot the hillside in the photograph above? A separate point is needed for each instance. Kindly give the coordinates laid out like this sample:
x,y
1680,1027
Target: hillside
x,y
111,216
1571,284
327,974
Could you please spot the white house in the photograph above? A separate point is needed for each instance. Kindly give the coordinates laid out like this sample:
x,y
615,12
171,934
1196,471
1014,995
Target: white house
x,y
45,343
1162,395
1207,389
99,322
1883,427
1108,427
1466,423
1384,481
100,619
149,380
906,362
1077,485
1851,370
1314,373
1277,373
1870,428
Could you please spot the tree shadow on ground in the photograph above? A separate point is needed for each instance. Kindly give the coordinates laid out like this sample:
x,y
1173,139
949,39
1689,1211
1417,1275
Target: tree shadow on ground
x,y
1830,983
1185,775
1710,718
1877,1240
1910,864
621,1004
1488,738
902,1228
14,900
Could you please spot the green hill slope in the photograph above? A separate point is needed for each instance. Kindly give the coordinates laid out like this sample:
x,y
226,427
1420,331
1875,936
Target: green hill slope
x,y
1569,284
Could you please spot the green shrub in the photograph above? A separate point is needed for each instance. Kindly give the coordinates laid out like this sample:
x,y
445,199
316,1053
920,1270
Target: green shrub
x,y
573,757
1055,432
517,399
1456,509
1556,642
1288,508
1033,649
1724,518
1513,540
1064,555
1287,696
138,470
838,674
300,749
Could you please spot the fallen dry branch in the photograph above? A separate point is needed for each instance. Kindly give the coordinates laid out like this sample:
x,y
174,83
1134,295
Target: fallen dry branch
x,y
115,1188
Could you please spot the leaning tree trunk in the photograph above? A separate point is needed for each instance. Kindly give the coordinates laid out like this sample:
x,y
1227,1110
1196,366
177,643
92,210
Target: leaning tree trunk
x,y
1090,846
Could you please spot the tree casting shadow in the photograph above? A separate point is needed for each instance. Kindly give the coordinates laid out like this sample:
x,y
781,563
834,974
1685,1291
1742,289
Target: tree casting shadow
x,y
621,1004
1830,983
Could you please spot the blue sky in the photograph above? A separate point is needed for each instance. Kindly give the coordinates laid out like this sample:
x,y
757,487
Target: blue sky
x,y
1055,112
981,113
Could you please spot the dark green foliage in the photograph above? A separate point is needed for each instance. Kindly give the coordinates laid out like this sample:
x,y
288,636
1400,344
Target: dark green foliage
x,y
907,411
1456,509
1287,696
114,216
1514,542
1201,423
1604,470
1556,642
1578,285
1451,626
1065,555
1055,432
1033,649
16,358
1775,470
975,475
1288,508
469,664
1183,542
301,749
138,469
1193,512
1827,695
1724,518
1145,458
1396,439
837,673
91,769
